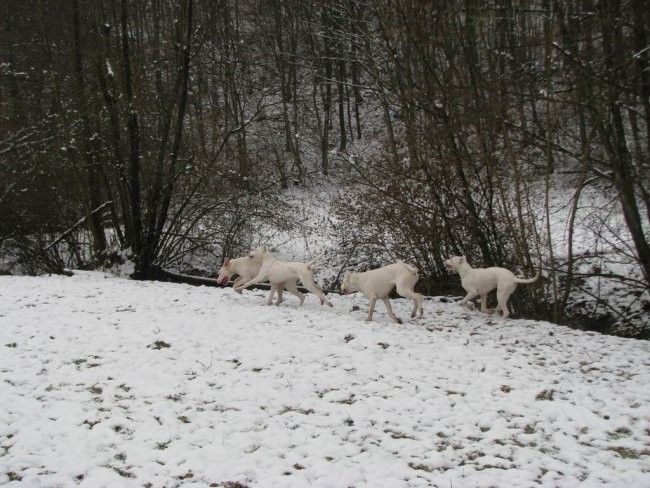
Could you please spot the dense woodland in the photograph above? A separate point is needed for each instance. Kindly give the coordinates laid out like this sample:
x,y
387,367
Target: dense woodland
x,y
159,129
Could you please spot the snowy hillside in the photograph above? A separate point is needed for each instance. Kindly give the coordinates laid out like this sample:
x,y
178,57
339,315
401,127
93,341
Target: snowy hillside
x,y
111,382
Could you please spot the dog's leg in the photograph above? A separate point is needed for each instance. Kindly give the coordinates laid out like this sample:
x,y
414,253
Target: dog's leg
x,y
390,311
291,287
407,292
307,280
417,306
269,300
258,279
503,306
237,282
279,288
468,299
503,295
484,308
371,309
504,310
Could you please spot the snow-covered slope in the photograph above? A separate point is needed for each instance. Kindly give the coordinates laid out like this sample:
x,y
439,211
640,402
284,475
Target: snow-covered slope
x,y
111,382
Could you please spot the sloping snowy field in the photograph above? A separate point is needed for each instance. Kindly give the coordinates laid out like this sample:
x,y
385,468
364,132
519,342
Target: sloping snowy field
x,y
111,382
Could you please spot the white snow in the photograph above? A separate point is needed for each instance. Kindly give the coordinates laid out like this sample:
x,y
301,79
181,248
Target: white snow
x,y
110,382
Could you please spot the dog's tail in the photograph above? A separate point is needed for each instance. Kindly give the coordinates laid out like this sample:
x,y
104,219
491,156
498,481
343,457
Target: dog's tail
x,y
527,281
311,263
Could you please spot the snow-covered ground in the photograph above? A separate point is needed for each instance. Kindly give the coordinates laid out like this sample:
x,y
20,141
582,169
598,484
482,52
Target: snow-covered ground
x,y
111,382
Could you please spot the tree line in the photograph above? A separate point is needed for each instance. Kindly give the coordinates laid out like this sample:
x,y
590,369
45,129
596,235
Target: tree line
x,y
158,126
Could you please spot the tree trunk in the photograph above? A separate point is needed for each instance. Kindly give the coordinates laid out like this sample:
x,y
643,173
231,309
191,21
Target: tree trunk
x,y
89,157
142,266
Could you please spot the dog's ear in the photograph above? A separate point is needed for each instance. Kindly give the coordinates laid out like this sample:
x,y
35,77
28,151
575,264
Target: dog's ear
x,y
226,262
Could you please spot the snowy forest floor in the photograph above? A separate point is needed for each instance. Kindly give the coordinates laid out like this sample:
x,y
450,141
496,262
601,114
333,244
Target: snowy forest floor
x,y
112,382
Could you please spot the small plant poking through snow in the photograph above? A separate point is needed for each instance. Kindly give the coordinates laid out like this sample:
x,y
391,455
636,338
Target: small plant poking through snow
x,y
545,395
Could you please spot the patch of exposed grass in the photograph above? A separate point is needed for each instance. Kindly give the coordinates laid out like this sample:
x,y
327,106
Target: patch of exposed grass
x,y
398,435
228,484
626,453
303,411
13,476
620,433
545,395
161,446
529,429
187,476
124,473
452,392
120,429
348,401
90,423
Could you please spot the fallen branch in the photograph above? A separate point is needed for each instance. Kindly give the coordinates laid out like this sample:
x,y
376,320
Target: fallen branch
x,y
7,191
78,224
164,275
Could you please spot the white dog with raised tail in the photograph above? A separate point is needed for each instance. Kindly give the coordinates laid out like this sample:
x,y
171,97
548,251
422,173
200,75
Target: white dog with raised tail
x,y
481,281
378,283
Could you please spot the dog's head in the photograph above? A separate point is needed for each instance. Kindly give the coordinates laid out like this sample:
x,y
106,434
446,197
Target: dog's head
x,y
224,272
346,284
258,253
453,263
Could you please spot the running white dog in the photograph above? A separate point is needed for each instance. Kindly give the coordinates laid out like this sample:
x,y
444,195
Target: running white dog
x,y
246,268
481,281
276,271
378,283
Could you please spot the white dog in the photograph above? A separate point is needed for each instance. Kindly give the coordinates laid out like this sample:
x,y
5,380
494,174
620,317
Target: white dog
x,y
276,271
246,268
378,283
481,281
